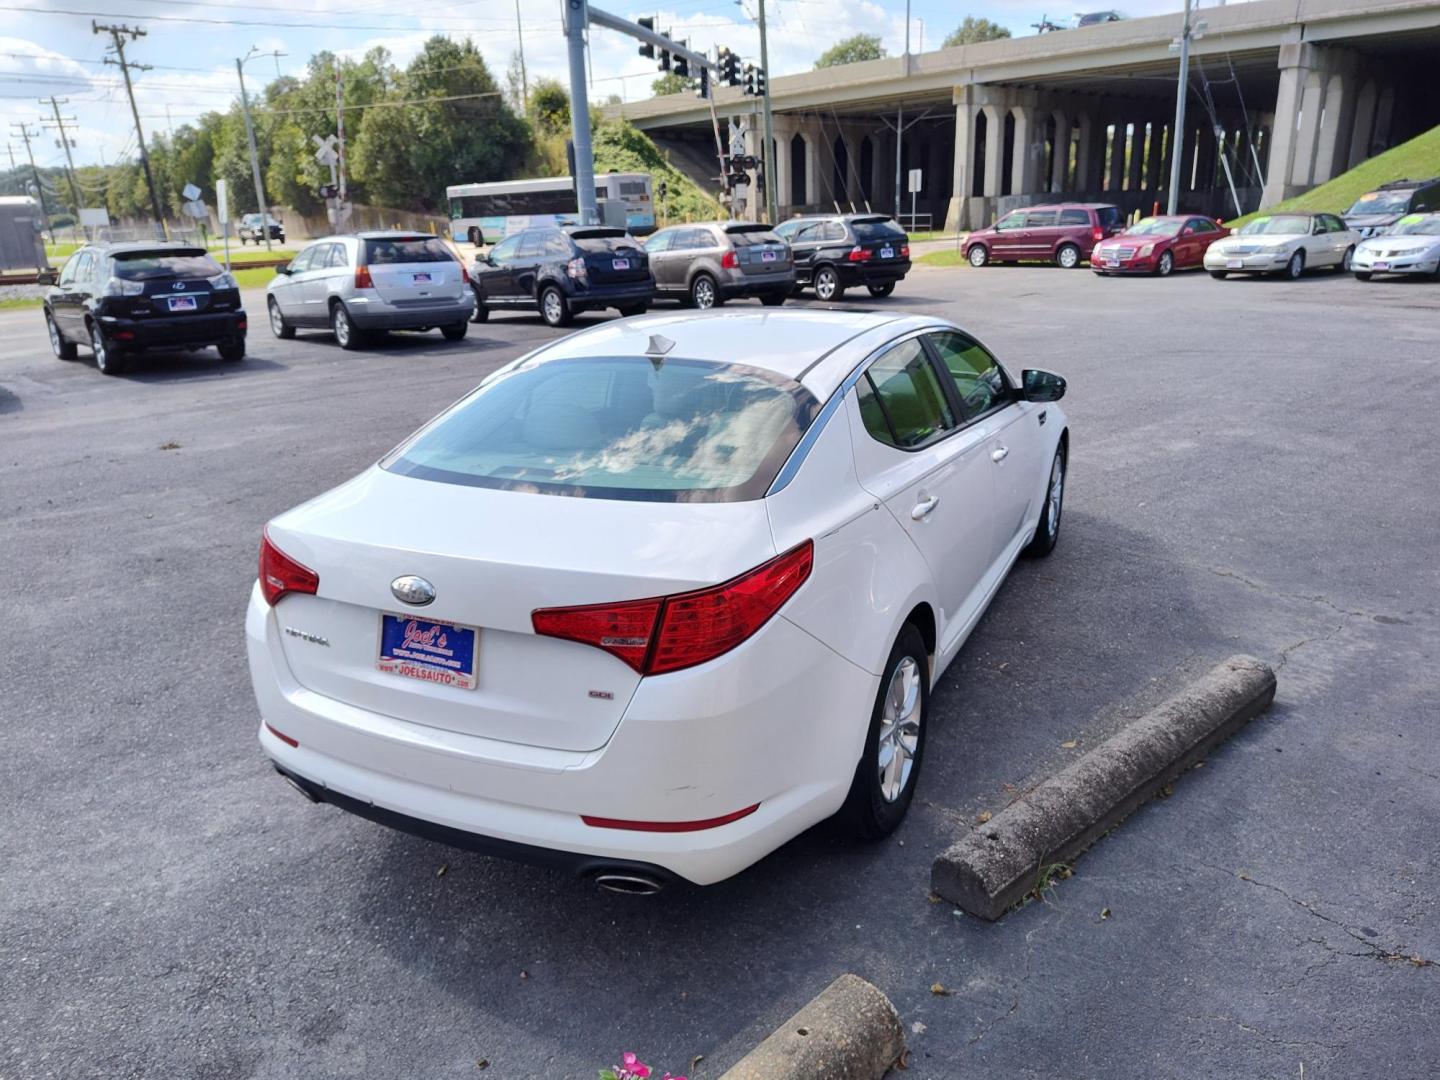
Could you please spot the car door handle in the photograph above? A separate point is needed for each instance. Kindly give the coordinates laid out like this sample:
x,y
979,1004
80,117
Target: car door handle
x,y
1042,417
921,509
999,454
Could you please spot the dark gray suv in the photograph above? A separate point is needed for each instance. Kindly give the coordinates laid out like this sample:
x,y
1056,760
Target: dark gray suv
x,y
703,264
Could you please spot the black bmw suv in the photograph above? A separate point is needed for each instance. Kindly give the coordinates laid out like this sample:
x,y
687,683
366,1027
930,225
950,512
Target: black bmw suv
x,y
123,299
836,251
561,271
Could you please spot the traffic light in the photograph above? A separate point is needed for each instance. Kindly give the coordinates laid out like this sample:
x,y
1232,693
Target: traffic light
x,y
329,191
759,82
729,65
702,88
681,66
647,50
664,59
750,81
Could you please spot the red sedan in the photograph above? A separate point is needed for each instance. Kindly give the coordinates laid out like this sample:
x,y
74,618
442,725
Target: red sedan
x,y
1158,245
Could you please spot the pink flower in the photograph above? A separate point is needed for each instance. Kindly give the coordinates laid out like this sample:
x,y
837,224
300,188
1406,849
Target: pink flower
x,y
633,1066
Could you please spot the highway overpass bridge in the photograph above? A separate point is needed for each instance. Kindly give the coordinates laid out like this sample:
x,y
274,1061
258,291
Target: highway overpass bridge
x,y
1299,90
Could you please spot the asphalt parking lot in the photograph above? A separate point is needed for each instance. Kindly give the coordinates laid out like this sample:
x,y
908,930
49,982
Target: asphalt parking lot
x,y
1254,470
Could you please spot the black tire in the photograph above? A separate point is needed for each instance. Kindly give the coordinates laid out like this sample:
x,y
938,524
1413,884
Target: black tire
x,y
232,352
1067,257
1218,275
347,335
473,236
631,310
867,814
108,359
481,312
455,332
63,350
1165,264
977,255
278,326
705,293
1346,260
774,299
554,308
1048,531
827,284
1362,275
878,291
1295,268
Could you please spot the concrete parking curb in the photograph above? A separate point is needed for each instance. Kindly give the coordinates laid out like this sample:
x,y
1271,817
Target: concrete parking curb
x,y
850,1031
994,867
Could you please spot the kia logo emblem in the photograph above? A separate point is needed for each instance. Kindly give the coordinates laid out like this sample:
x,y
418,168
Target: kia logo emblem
x,y
413,590
178,285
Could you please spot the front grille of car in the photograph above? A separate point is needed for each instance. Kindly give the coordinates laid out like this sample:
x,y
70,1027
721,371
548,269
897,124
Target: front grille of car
x,y
1125,252
1243,249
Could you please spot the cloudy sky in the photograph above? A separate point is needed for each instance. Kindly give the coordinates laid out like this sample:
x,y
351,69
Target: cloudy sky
x,y
47,47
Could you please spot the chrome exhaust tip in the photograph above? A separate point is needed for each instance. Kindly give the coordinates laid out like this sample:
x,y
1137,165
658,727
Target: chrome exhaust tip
x,y
301,788
630,884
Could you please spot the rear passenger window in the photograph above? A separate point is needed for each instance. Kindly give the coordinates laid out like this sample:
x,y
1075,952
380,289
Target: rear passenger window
x,y
556,245
834,231
901,400
1074,217
1040,219
977,376
339,256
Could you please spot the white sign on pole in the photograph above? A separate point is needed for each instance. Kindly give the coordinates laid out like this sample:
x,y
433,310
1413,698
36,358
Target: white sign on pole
x,y
222,211
326,152
190,193
96,217
915,177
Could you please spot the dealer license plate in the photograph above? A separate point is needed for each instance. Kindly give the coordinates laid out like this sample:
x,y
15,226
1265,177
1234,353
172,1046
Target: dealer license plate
x,y
768,256
620,264
433,652
887,253
182,303
1381,266
422,279
1234,264
1112,261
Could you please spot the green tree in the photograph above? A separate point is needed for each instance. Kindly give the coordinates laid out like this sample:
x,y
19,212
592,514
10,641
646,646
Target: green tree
x,y
549,106
974,30
669,83
852,50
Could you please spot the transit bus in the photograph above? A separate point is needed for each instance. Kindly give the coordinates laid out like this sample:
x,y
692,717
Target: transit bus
x,y
485,213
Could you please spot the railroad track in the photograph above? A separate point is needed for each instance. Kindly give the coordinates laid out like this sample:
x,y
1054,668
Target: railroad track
x,y
27,277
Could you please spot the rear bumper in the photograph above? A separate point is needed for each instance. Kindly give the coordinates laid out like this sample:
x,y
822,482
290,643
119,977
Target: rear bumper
x,y
372,314
886,273
692,746
603,296
739,284
200,329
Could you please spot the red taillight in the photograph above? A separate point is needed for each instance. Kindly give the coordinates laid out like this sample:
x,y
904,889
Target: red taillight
x,y
280,574
1097,234
464,275
362,277
858,254
658,826
904,251
242,324
730,260
668,633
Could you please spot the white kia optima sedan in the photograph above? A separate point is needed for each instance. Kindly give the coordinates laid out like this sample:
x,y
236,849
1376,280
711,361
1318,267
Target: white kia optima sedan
x,y
1410,246
658,596
1287,244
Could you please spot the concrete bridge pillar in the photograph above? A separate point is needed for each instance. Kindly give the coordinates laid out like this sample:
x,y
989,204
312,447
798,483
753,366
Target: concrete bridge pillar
x,y
963,180
994,150
1136,164
1060,153
783,131
1364,126
1085,138
1029,150
1115,175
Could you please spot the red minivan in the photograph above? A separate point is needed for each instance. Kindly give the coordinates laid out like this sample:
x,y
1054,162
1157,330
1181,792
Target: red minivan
x,y
1064,234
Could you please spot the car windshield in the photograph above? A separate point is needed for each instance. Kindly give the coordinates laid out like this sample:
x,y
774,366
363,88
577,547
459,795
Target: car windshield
x,y
150,265
1279,225
1381,202
617,428
1155,227
877,229
406,249
1417,225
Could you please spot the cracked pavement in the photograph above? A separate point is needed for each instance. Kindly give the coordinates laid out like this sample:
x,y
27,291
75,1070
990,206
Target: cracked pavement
x,y
1253,471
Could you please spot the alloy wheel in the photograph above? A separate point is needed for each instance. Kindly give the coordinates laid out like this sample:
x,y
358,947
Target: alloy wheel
x,y
54,330
553,308
978,256
97,346
704,293
277,322
1167,263
899,729
341,323
1068,257
825,283
1057,494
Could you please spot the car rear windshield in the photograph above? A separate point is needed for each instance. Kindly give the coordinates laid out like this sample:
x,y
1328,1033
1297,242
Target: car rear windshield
x,y
745,235
150,265
608,240
406,249
1279,225
617,428
867,229
1108,215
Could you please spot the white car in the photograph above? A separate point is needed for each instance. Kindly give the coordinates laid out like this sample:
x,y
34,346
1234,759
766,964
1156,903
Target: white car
x,y
1287,244
645,611
1411,246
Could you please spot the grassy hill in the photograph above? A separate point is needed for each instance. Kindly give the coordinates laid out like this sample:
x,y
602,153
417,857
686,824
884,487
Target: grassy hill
x,y
1416,160
621,147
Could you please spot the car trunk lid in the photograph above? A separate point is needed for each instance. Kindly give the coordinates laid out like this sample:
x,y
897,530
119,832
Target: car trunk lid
x,y
411,269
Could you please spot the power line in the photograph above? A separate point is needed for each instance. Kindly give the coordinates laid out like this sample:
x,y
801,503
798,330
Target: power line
x,y
258,22
118,34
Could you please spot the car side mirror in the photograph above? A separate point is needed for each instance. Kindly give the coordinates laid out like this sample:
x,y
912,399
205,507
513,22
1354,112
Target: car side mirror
x,y
286,270
1042,385
46,277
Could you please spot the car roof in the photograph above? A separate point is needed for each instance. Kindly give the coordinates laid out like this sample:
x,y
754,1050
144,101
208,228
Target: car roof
x,y
387,234
123,246
816,347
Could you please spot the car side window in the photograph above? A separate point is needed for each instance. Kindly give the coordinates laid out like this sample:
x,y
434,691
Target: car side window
x,y
304,260
811,232
531,244
339,257
787,229
660,241
834,231
700,239
1336,225
84,267
1010,221
1040,219
556,246
978,378
504,251
1200,225
67,272
901,400
1074,217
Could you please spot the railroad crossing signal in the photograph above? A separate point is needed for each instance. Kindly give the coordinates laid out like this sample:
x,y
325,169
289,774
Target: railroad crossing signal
x,y
326,149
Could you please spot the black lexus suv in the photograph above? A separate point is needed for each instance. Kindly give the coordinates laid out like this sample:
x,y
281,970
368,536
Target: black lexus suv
x,y
561,271
124,299
834,252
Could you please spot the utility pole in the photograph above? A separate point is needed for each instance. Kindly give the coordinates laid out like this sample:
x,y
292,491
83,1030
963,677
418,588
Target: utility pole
x,y
250,137
900,120
118,34
25,134
342,210
1177,133
577,18
769,154
59,125
524,81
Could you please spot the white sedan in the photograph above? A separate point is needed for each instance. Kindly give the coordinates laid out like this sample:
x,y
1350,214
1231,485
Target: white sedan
x,y
1410,246
1287,244
658,596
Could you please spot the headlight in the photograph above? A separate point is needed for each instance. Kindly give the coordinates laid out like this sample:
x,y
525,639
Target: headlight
x,y
1276,249
222,281
1146,250
122,287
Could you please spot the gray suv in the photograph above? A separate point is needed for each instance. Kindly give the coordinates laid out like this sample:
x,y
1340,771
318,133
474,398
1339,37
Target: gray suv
x,y
704,264
372,281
